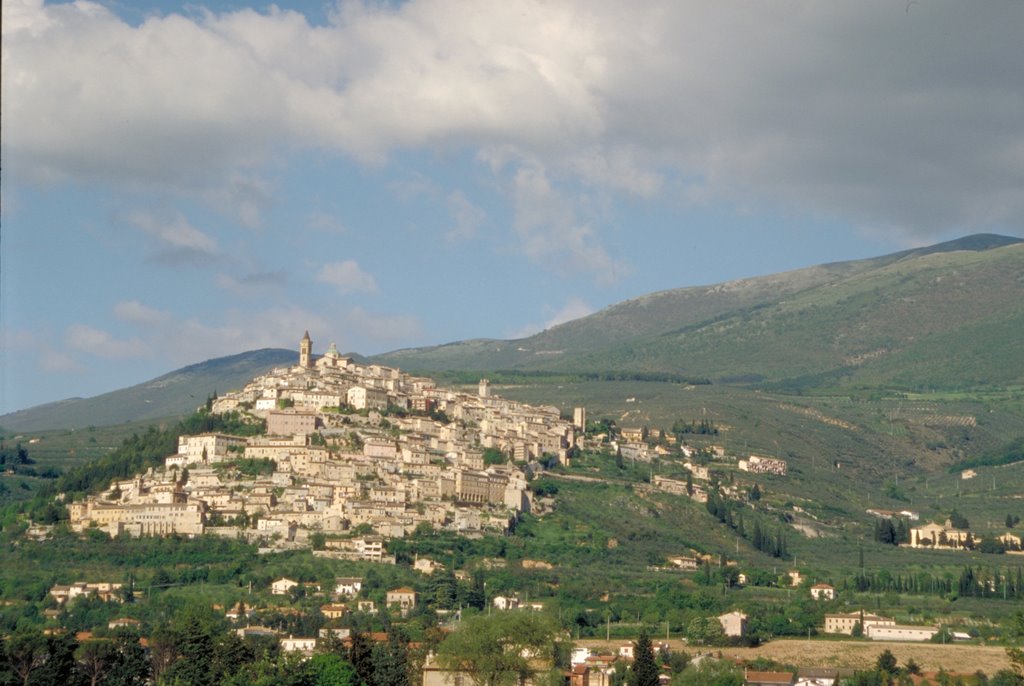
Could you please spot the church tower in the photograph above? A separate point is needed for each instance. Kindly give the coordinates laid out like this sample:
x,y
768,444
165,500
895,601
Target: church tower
x,y
306,352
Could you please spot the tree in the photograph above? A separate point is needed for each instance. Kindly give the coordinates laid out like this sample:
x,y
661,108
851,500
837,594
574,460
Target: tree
x,y
26,653
499,649
132,667
331,670
444,588
95,660
886,662
958,521
644,671
193,638
391,660
360,654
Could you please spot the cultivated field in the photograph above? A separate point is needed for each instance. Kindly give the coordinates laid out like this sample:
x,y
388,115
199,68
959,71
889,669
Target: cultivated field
x,y
857,654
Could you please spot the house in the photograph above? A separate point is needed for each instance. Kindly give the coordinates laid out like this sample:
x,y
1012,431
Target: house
x,y
255,631
626,651
124,623
938,536
366,606
348,586
282,586
733,623
334,610
684,562
817,676
757,464
1010,542
426,566
751,678
502,602
823,592
238,611
289,423
587,675
105,591
900,632
303,645
843,623
403,598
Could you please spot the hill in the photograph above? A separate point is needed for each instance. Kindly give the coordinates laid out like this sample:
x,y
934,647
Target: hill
x,y
171,395
942,317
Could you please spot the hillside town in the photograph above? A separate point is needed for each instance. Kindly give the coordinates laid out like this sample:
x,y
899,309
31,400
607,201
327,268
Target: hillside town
x,y
348,448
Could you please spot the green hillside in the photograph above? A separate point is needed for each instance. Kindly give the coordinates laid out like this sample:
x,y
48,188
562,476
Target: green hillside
x,y
946,317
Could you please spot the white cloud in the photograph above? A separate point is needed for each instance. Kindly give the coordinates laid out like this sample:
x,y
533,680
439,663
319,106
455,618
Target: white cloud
x,y
856,110
466,217
348,277
178,242
574,308
100,343
551,232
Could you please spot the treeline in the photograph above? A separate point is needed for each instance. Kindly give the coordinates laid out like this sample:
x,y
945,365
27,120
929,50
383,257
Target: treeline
x,y
892,533
705,427
977,582
200,649
507,376
13,457
770,541
1008,454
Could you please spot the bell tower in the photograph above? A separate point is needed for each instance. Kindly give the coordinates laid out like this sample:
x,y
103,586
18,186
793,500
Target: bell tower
x,y
306,352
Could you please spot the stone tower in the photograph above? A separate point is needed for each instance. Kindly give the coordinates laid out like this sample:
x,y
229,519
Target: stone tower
x,y
306,352
485,388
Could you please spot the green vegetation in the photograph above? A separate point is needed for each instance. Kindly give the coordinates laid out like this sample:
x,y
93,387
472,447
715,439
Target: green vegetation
x,y
496,650
1008,454
893,323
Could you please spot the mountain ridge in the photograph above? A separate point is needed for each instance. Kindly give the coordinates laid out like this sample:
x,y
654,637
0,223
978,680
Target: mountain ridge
x,y
173,394
672,311
729,332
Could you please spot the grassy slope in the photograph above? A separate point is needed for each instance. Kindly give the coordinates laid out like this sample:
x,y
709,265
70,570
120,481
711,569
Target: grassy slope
x,y
946,320
934,318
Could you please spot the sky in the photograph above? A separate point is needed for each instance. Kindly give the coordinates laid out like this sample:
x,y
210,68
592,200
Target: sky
x,y
186,180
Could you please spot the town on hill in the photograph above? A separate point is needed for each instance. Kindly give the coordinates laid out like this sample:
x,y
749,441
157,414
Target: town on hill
x,y
345,448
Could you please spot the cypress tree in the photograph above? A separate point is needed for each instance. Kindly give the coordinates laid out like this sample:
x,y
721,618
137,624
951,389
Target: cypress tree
x,y
645,670
361,656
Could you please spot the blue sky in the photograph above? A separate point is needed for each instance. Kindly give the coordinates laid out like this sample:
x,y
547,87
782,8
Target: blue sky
x,y
183,181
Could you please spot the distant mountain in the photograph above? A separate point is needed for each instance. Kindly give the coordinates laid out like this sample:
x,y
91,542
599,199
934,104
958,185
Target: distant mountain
x,y
944,316
177,393
947,316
